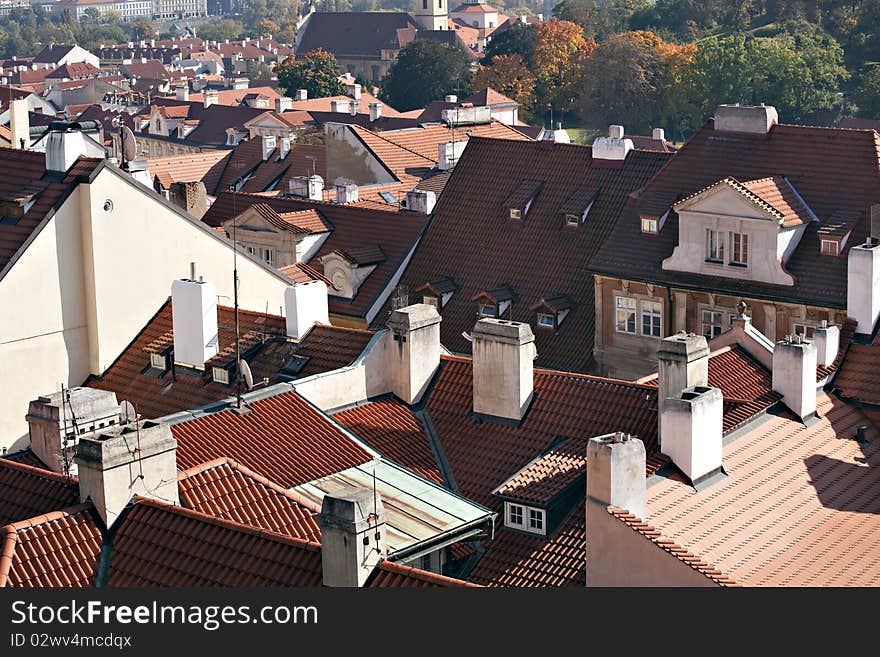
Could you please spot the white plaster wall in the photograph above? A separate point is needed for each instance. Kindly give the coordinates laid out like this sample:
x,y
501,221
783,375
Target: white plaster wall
x,y
507,117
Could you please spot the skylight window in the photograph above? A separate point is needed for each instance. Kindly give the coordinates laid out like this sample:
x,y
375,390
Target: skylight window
x,y
158,361
220,375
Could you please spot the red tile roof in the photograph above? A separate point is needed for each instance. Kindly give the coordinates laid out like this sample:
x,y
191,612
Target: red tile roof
x,y
331,347
832,169
798,507
471,240
226,489
405,164
283,437
548,475
361,35
858,377
58,549
426,140
186,167
75,70
163,545
235,97
391,428
299,272
394,575
774,194
27,491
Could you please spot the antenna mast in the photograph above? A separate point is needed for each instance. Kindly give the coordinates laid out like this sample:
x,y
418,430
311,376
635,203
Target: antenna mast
x,y
235,305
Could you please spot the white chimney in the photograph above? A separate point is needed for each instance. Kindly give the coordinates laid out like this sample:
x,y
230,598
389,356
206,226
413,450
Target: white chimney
x,y
20,123
615,477
612,147
756,119
268,146
302,94
693,427
311,187
414,350
794,375
211,97
194,321
355,107
658,134
354,90
346,193
503,361
64,146
182,93
284,147
375,111
353,536
124,461
339,106
682,363
451,98
863,285
305,304
240,84
283,104
51,424
419,200
827,340
448,154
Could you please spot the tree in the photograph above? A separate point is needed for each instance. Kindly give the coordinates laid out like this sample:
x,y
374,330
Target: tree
x,y
867,95
559,56
317,72
600,18
426,71
142,29
91,15
517,40
508,75
221,30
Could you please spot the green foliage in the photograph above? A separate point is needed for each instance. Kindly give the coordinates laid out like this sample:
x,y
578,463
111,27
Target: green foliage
x,y
867,94
518,40
426,71
317,72
600,18
221,30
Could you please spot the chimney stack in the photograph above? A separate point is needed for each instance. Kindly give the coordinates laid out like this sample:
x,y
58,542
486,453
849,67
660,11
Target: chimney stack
x,y
757,119
50,422
354,90
339,106
503,361
355,107
794,375
353,536
415,350
211,97
182,93
302,94
451,98
875,222
613,147
692,424
123,461
827,340
311,187
347,193
448,154
419,200
65,144
268,146
194,320
20,123
682,362
659,134
863,285
283,104
375,111
240,84
305,304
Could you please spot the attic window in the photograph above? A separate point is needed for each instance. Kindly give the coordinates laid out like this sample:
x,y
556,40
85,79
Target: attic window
x,y
577,206
546,320
220,375
438,291
520,201
526,518
488,310
431,301
515,213
830,248
552,311
572,219
12,213
158,361
649,226
294,366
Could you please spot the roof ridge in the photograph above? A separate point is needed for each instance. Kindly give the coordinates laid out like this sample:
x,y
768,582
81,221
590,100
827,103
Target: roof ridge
x,y
37,472
641,527
51,516
392,143
228,524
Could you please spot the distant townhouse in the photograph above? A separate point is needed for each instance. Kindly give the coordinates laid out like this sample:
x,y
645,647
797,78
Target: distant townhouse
x,y
171,9
56,54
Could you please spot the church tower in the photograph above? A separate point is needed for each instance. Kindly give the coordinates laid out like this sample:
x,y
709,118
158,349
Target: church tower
x,y
432,14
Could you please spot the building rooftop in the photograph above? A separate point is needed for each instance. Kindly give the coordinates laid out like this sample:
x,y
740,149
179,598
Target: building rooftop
x,y
357,35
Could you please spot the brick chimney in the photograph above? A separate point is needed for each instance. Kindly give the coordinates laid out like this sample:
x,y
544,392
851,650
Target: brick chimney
x,y
692,425
194,320
419,200
503,361
353,536
347,193
794,375
305,304
827,340
682,362
120,462
756,119
414,351
863,285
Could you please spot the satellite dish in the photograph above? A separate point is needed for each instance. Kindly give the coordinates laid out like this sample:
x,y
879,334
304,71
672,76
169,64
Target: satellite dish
x,y
246,373
129,144
126,412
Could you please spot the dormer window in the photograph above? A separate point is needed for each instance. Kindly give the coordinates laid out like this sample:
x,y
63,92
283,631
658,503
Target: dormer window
x,y
572,219
649,226
714,245
438,291
494,303
577,206
431,301
220,375
546,320
520,201
526,518
158,361
835,231
488,310
739,249
830,248
515,213
552,311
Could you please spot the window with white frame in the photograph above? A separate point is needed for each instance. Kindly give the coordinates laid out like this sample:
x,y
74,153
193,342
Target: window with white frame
x,y
251,250
515,213
268,255
652,315
487,310
625,319
739,249
157,361
220,375
431,301
711,323
515,515
803,330
830,248
649,226
527,518
572,219
714,245
536,520
546,320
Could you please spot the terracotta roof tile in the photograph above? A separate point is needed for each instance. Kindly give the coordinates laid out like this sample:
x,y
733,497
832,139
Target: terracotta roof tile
x,y
331,347
27,491
226,489
544,478
359,35
283,437
425,140
394,575
162,545
391,428
857,378
186,167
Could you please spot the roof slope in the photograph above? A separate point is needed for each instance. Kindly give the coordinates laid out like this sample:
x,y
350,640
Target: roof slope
x,y
331,347
283,437
394,575
799,506
185,167
471,241
226,489
832,169
426,140
27,491
163,545
359,35
857,378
